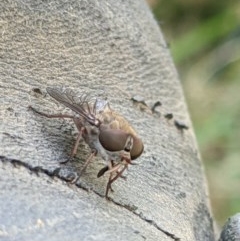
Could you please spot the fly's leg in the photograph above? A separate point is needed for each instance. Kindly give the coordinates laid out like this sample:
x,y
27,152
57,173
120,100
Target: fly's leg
x,y
50,115
75,147
74,151
89,159
113,179
110,167
106,170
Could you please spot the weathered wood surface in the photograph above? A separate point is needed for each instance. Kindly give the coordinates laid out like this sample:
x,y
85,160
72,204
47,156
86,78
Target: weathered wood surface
x,y
109,47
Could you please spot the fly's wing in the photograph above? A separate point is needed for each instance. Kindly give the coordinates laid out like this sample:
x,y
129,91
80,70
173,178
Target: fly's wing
x,y
100,105
84,105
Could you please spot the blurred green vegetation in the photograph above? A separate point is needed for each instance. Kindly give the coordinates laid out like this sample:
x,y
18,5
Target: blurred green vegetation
x,y
204,39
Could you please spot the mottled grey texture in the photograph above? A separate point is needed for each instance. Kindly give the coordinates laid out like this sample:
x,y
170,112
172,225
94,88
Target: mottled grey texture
x,y
114,48
231,230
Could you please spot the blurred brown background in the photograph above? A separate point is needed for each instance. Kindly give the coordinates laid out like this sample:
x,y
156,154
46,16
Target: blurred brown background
x,y
204,39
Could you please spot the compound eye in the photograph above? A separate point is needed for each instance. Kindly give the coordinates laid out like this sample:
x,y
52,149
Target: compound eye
x,y
115,140
137,148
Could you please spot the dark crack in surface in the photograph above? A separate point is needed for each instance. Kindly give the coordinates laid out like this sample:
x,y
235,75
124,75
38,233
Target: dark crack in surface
x,y
56,173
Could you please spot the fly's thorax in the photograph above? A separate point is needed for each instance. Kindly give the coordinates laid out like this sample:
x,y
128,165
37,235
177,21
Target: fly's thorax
x,y
113,120
90,133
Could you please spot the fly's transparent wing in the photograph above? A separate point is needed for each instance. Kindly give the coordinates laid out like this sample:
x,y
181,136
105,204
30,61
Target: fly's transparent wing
x,y
85,105
100,105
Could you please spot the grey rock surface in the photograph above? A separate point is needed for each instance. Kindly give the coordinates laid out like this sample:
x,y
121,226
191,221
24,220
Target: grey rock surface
x,y
110,48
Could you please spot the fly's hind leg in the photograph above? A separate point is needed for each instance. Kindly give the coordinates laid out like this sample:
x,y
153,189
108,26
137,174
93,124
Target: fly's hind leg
x,y
74,151
89,159
75,147
50,115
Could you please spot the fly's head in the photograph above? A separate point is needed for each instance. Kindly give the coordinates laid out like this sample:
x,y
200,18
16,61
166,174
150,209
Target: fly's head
x,y
117,140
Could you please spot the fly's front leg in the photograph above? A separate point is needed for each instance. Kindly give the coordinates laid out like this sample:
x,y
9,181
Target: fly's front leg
x,y
112,170
110,167
106,170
